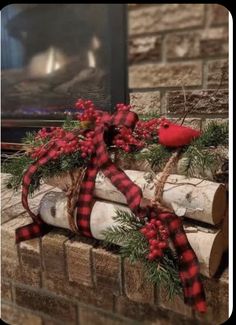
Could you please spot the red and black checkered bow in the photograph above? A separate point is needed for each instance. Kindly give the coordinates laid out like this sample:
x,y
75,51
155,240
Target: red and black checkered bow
x,y
188,263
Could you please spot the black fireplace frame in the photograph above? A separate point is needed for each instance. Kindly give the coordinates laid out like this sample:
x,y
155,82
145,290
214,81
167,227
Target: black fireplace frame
x,y
13,129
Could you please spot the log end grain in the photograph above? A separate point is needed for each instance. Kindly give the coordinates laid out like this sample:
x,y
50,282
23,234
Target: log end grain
x,y
216,254
219,204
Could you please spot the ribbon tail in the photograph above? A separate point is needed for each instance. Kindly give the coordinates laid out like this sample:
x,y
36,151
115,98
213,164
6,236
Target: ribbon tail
x,y
31,231
38,227
189,270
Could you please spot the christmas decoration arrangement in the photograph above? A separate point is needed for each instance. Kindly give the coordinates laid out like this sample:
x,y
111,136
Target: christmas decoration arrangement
x,y
142,212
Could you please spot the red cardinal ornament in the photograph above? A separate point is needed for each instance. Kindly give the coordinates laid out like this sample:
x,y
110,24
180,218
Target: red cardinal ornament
x,y
174,135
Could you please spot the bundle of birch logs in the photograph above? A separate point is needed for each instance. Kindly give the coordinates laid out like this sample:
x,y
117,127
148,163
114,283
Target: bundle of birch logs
x,y
202,204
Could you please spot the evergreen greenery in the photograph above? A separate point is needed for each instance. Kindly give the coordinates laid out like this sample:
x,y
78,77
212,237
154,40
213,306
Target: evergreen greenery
x,y
197,155
163,272
17,164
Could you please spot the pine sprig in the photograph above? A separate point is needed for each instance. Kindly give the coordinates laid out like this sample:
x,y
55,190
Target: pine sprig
x,y
215,135
156,155
16,165
197,156
197,160
135,247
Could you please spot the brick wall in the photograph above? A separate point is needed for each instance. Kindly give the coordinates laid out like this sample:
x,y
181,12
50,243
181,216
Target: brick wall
x,y
66,279
179,45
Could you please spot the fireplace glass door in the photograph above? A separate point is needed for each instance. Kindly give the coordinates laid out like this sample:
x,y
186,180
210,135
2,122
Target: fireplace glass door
x,y
53,54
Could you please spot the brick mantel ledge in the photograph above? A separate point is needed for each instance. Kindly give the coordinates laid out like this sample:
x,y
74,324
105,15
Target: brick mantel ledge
x,y
64,278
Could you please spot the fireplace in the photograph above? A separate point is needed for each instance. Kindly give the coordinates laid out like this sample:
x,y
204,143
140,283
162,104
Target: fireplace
x,y
53,54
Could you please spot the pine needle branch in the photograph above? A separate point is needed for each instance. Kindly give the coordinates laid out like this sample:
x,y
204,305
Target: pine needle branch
x,y
135,247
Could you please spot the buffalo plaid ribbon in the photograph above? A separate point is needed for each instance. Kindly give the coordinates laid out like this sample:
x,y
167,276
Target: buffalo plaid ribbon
x,y
188,263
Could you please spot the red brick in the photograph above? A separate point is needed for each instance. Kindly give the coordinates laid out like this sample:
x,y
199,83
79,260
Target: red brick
x,y
217,301
95,317
56,307
78,257
137,287
217,14
30,253
213,47
144,48
53,250
201,43
141,312
9,248
151,75
175,304
30,276
164,17
9,268
107,267
16,316
198,101
146,102
217,74
6,290
61,286
51,321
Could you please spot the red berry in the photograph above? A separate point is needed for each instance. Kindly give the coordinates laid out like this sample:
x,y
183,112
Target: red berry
x,y
157,252
151,234
162,244
151,256
155,242
152,241
152,247
144,231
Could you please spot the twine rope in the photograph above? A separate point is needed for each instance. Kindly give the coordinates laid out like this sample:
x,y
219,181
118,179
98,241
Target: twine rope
x,y
72,196
160,183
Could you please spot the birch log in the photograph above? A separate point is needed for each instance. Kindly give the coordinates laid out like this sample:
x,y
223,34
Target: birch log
x,y
225,229
207,245
191,197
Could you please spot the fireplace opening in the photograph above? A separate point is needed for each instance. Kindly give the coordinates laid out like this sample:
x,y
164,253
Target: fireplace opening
x,y
53,54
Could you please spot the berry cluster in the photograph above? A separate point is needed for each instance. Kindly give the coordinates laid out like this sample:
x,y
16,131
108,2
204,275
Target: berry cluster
x,y
147,130
157,236
67,142
90,113
86,145
122,107
126,140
